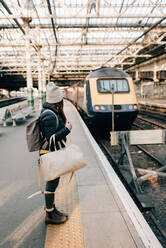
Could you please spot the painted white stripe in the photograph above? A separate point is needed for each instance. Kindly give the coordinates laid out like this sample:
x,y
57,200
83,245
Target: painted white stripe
x,y
144,231
24,229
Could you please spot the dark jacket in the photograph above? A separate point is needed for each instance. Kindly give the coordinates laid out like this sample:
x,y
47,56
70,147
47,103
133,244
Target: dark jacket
x,y
49,126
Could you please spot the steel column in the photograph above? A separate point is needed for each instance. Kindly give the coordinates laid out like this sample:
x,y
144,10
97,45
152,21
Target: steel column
x,y
28,63
44,83
40,88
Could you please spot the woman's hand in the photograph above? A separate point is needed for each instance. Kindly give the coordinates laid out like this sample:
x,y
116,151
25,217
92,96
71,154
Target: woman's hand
x,y
69,125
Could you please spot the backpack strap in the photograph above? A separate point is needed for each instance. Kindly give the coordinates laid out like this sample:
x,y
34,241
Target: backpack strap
x,y
49,110
45,143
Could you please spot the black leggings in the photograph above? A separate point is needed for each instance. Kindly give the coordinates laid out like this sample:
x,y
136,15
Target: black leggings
x,y
51,187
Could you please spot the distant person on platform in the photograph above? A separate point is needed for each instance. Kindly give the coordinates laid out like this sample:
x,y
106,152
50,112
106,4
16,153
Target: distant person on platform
x,y
49,125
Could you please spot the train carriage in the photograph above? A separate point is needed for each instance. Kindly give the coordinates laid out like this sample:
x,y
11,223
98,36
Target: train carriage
x,y
103,89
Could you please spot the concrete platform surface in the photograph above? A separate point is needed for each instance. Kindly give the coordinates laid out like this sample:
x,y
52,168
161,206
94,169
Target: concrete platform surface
x,y
153,102
107,219
101,212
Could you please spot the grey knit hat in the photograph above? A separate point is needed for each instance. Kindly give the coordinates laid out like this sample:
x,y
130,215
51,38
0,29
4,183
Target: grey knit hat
x,y
53,93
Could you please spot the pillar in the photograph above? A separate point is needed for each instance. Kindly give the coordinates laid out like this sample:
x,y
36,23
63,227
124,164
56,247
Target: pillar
x,y
44,84
137,83
40,85
30,93
156,82
136,75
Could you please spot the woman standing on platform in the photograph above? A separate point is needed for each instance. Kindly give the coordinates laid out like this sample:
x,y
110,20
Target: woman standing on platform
x,y
53,122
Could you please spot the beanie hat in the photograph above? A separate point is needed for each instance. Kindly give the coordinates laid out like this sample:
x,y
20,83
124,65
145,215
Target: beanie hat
x,y
53,93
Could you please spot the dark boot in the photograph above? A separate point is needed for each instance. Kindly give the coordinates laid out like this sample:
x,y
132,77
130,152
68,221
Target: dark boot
x,y
54,218
58,212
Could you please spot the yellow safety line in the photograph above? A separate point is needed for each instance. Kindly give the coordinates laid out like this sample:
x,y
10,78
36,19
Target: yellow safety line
x,y
69,234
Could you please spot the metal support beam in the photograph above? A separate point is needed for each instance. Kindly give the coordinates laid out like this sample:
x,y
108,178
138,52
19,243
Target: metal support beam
x,y
28,63
9,11
139,37
54,31
40,88
132,169
44,84
100,44
78,26
92,16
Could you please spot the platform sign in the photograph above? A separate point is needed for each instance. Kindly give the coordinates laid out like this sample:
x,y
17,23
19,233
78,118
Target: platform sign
x,y
138,137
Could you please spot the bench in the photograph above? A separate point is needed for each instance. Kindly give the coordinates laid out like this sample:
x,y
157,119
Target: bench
x,y
20,112
26,111
5,115
15,112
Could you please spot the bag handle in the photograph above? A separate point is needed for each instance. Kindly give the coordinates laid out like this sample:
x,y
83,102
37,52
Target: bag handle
x,y
39,184
52,139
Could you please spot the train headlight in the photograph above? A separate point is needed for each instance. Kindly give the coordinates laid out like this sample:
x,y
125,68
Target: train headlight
x,y
100,107
130,107
96,107
135,106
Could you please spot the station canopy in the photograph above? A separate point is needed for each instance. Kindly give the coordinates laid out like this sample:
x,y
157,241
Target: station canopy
x,y
70,38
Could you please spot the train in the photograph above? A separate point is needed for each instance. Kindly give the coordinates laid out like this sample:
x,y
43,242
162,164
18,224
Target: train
x,y
106,91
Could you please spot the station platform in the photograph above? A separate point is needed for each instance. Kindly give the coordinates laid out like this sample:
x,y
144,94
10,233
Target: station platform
x,y
101,212
153,104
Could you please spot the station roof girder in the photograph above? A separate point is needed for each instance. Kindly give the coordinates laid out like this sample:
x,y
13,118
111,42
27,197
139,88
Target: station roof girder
x,y
80,35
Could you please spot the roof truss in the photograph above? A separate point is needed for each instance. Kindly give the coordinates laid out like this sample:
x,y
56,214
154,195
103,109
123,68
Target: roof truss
x,y
75,37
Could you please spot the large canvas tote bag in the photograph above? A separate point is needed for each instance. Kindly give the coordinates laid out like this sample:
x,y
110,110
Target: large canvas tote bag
x,y
61,162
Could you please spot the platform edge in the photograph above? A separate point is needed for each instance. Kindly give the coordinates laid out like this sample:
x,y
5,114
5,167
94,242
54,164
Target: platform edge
x,y
144,231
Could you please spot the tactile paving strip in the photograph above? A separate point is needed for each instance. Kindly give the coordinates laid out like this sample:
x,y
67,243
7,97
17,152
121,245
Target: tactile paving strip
x,y
69,234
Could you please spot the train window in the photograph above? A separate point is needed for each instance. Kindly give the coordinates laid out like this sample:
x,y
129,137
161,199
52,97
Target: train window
x,y
105,85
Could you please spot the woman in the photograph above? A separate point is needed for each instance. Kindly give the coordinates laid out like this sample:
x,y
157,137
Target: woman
x,y
53,122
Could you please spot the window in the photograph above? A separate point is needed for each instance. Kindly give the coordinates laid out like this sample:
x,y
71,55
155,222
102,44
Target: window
x,y
106,85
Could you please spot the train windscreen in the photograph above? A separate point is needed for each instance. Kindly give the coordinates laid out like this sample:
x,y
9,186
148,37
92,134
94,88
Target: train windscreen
x,y
119,85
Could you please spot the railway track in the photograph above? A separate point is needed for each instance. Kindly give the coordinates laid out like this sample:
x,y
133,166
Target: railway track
x,y
147,158
157,119
106,149
147,212
154,123
153,162
154,114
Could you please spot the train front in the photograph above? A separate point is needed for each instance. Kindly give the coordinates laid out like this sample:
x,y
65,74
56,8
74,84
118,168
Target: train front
x,y
110,92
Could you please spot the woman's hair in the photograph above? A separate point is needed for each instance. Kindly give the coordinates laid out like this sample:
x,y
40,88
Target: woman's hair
x,y
59,107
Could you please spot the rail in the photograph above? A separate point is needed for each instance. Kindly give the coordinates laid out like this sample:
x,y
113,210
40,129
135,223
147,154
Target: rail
x,y
124,139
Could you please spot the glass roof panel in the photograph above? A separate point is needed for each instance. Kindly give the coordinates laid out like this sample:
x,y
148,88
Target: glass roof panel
x,y
83,31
